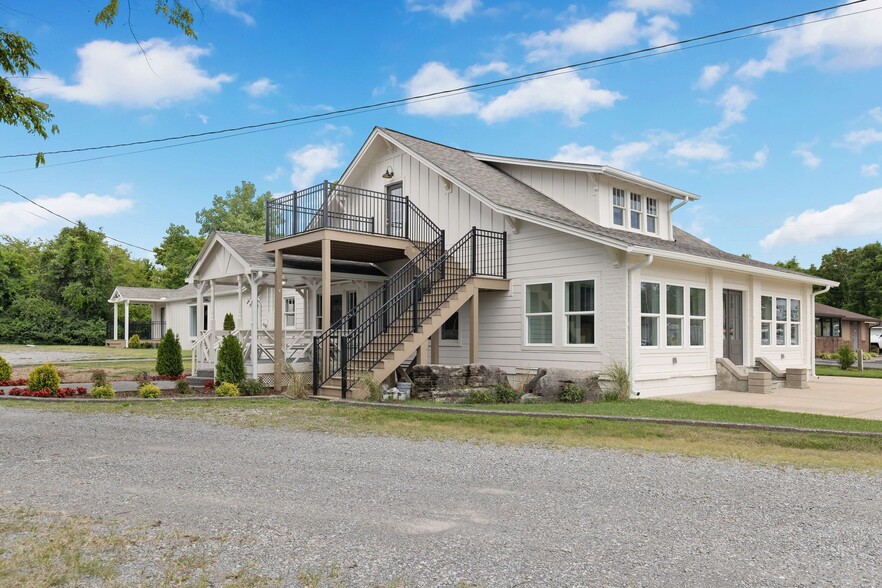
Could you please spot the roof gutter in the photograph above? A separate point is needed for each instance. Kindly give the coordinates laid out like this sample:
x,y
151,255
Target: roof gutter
x,y
629,361
815,295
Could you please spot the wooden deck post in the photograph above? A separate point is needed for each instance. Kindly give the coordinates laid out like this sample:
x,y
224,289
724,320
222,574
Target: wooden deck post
x,y
326,304
436,347
239,319
255,322
422,353
473,330
278,330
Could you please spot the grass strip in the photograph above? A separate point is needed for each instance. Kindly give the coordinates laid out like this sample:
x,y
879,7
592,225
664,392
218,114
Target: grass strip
x,y
831,370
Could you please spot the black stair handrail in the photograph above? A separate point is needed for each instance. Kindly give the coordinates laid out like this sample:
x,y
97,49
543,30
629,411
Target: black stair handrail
x,y
479,252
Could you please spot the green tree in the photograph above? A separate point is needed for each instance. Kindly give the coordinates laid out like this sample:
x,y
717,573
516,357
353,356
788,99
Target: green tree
x,y
240,211
176,254
17,59
230,361
168,356
791,264
859,273
12,275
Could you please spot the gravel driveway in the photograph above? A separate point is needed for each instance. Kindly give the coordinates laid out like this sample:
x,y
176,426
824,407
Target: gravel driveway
x,y
442,513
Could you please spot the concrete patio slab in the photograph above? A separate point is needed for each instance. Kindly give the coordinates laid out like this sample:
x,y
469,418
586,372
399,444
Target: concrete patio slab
x,y
836,396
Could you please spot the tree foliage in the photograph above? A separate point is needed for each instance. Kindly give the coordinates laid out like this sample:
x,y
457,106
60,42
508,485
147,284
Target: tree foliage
x,y
168,356
230,361
240,211
177,253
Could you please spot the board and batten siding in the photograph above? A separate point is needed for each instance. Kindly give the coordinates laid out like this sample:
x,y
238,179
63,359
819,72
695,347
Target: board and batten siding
x,y
452,209
539,255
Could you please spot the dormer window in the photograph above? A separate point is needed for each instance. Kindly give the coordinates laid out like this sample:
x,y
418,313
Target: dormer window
x,y
636,211
651,215
619,207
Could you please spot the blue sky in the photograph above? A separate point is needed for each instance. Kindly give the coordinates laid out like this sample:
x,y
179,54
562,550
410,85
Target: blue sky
x,y
780,134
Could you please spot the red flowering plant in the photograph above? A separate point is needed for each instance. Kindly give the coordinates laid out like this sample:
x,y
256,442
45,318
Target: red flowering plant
x,y
47,393
19,382
209,385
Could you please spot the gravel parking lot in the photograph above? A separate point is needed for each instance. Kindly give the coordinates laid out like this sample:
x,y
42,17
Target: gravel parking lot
x,y
441,514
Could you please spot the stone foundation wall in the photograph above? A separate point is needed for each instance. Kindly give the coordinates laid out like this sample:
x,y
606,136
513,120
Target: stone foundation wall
x,y
450,382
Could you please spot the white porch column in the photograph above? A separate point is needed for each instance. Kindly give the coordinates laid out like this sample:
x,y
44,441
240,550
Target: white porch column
x,y
239,324
200,309
326,302
115,321
255,319
126,326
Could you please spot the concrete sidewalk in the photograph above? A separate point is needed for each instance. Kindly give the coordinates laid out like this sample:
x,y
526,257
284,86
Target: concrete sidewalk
x,y
836,396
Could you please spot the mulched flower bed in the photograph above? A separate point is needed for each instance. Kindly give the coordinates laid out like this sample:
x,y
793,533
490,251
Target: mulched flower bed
x,y
21,382
46,393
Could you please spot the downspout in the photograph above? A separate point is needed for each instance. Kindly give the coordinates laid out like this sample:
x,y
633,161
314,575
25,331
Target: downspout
x,y
812,326
630,347
671,210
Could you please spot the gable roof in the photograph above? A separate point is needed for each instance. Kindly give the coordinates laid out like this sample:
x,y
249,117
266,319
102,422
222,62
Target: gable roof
x,y
510,196
831,311
187,291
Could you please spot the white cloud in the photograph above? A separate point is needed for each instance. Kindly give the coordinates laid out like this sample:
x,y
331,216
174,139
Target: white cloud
x,y
260,87
870,170
435,77
497,67
571,95
311,161
119,73
452,10
877,114
622,156
860,216
669,6
699,149
843,43
860,139
20,218
202,118
809,159
123,189
231,7
758,160
659,31
710,75
615,30
734,102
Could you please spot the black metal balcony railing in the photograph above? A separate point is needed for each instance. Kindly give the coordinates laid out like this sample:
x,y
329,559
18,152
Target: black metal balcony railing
x,y
143,329
389,315
345,208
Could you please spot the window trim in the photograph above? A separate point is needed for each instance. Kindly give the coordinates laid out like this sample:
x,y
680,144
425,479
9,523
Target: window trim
x,y
638,198
787,323
657,315
292,314
702,318
678,317
191,311
566,314
526,315
654,202
622,206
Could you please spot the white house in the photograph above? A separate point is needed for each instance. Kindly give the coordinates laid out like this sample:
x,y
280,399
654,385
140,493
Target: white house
x,y
443,255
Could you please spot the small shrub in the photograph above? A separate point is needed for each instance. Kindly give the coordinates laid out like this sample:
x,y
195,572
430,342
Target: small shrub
x,y
252,387
44,377
505,394
481,396
375,391
846,357
99,378
571,393
299,382
5,370
230,361
619,377
103,391
208,386
149,391
134,342
227,389
183,388
229,323
143,378
168,356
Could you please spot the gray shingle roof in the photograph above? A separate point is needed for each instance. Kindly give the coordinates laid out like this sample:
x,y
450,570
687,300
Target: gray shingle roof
x,y
186,291
832,311
507,192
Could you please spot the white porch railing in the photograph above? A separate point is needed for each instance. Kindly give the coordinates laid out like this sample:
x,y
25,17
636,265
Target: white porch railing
x,y
298,345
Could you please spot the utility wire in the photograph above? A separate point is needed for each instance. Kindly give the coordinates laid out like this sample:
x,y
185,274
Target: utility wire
x,y
61,216
442,93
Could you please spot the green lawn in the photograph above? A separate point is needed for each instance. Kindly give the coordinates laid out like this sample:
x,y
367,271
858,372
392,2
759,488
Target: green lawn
x,y
829,370
817,450
92,352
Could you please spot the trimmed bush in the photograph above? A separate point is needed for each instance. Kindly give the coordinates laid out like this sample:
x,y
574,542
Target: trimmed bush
x,y
143,378
149,391
230,361
505,394
103,391
229,323
44,377
5,370
134,342
252,387
846,357
183,388
572,393
481,396
99,378
168,356
227,389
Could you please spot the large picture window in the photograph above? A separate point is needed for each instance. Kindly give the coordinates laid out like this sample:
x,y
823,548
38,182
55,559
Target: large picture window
x,y
539,310
780,318
649,314
579,312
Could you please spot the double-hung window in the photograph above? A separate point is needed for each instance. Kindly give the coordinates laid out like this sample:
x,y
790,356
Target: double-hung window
x,y
579,311
674,307
289,311
649,314
697,316
194,323
619,207
651,215
780,321
636,211
539,310
794,321
828,327
782,316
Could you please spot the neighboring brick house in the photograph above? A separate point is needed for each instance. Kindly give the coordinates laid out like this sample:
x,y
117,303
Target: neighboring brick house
x,y
834,326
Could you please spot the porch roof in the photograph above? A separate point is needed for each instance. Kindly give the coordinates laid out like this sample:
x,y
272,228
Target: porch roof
x,y
150,295
826,311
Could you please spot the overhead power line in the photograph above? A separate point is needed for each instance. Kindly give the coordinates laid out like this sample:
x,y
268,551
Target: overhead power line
x,y
62,217
655,50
